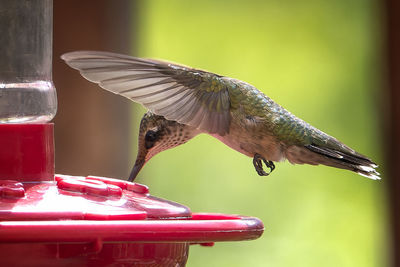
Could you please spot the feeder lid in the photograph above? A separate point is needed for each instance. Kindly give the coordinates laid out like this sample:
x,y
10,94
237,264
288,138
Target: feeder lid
x,y
84,198
82,209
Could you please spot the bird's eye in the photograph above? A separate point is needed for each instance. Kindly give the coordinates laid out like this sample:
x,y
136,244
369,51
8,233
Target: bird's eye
x,y
150,139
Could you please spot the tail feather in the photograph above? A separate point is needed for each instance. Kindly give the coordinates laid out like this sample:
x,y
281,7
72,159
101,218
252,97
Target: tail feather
x,y
349,160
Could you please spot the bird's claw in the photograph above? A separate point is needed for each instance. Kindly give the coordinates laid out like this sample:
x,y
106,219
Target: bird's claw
x,y
258,164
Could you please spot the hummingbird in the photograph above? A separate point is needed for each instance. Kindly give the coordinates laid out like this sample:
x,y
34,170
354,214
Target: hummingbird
x,y
183,102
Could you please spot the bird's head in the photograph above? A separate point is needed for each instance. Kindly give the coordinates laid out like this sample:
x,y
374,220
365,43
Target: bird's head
x,y
157,134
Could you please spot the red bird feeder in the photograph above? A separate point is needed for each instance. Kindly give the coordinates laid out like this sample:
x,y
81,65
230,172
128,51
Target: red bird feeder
x,y
62,220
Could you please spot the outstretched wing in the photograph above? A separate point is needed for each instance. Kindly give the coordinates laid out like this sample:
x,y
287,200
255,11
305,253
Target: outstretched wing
x,y
188,96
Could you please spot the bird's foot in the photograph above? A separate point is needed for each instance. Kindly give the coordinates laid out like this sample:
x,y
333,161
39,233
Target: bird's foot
x,y
258,164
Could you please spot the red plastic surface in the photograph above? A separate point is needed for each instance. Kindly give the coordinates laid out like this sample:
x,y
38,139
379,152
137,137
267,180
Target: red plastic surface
x,y
55,201
95,254
93,221
11,189
191,231
71,222
26,152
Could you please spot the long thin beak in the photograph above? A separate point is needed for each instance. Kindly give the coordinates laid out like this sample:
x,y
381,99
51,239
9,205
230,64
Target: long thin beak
x,y
136,168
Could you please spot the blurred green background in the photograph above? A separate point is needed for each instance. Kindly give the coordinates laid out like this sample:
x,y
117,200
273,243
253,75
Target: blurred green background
x,y
320,60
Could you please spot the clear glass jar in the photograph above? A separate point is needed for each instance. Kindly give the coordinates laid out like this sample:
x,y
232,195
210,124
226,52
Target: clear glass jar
x,y
27,93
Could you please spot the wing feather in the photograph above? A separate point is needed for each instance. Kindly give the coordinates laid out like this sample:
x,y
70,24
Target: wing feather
x,y
194,97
